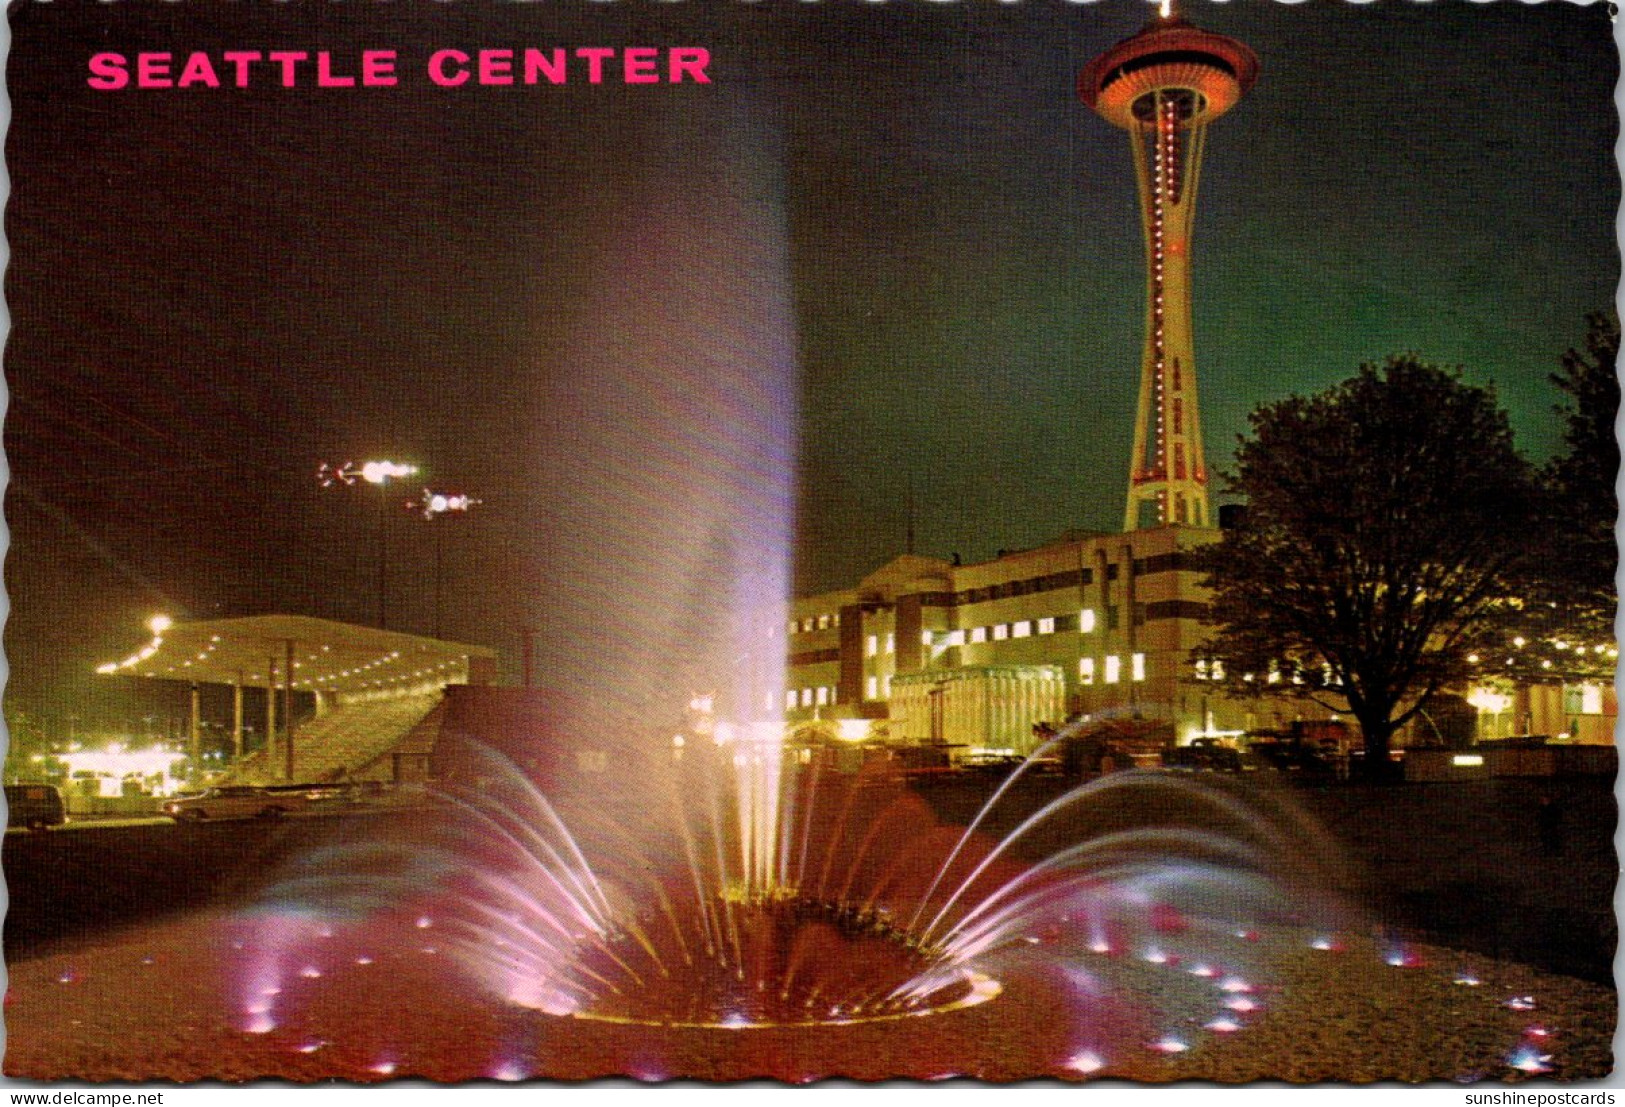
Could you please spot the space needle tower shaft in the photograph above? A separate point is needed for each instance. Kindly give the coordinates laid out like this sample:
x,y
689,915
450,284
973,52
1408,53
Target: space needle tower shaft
x,y
1163,86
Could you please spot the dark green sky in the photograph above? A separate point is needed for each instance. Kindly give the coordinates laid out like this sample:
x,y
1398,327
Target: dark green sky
x,y
214,291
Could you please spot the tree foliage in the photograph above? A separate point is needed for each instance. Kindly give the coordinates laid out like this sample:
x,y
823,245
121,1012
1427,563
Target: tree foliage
x,y
1386,522
1578,572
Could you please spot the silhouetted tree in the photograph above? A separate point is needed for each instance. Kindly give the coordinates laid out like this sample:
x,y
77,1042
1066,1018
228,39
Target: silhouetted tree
x,y
1387,522
1578,573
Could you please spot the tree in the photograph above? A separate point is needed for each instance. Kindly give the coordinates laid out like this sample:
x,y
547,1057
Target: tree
x,y
1387,520
1577,575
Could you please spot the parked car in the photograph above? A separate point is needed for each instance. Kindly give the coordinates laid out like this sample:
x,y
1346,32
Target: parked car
x,y
234,801
35,806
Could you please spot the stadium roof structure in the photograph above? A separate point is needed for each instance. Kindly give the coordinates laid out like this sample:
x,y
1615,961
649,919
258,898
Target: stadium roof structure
x,y
327,656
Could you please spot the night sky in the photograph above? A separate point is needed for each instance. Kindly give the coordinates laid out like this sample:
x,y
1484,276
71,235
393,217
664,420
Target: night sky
x,y
939,275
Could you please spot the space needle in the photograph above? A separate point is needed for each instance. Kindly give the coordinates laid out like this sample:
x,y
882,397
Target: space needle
x,y
1164,86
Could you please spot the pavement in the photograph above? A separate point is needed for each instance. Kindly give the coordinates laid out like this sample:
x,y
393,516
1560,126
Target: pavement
x,y
205,999
146,953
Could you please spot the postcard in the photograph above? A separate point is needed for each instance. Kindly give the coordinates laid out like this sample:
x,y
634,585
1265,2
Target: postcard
x,y
810,541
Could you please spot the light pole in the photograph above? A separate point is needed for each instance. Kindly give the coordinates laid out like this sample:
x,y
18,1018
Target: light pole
x,y
378,473
435,505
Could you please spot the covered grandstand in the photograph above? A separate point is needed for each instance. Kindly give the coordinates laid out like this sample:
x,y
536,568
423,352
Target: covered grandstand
x,y
341,702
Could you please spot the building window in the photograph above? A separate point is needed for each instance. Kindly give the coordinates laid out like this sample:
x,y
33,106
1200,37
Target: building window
x,y
806,697
978,634
1201,668
871,688
925,637
872,646
891,643
885,686
790,700
1114,669
956,638
1111,617
1046,626
823,622
822,696
1022,629
1001,632
1137,667
1582,699
1086,670
1086,620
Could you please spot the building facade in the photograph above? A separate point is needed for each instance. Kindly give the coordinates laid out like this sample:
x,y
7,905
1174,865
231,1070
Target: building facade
x,y
975,656
1090,626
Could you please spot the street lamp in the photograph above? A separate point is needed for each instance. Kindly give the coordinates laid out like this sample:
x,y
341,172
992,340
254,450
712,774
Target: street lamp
x,y
434,505
378,473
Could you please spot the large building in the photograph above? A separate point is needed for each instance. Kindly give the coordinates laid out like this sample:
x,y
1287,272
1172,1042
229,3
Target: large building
x,y
976,656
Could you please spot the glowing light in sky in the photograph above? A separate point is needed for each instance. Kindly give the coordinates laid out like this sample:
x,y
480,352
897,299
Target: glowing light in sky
x,y
432,503
373,472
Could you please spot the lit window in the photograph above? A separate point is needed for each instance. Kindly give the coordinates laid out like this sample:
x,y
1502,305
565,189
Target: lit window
x,y
822,696
795,627
1023,629
790,700
1218,670
1201,668
885,685
835,619
1137,667
1086,620
891,643
1001,632
1086,670
978,634
925,637
872,646
806,697
956,638
1046,626
1591,699
1114,669
871,688
823,622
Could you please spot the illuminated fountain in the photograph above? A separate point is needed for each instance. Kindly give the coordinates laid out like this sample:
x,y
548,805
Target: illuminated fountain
x,y
732,893
845,901
731,912
1125,913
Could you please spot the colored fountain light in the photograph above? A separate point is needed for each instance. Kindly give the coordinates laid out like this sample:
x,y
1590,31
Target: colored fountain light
x,y
848,906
